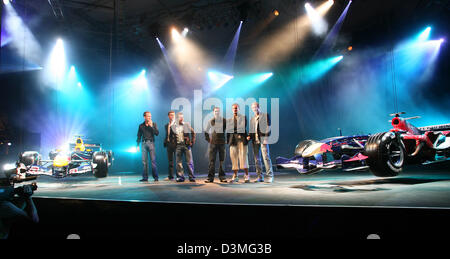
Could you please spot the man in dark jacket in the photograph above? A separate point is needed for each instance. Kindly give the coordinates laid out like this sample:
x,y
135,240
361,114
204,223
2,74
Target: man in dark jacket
x,y
146,134
215,135
184,135
170,143
238,141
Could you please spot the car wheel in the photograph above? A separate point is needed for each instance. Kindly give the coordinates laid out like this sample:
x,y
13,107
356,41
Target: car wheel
x,y
101,161
303,145
386,155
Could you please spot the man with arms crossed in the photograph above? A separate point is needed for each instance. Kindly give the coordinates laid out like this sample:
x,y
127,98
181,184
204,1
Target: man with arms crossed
x,y
259,132
217,140
146,134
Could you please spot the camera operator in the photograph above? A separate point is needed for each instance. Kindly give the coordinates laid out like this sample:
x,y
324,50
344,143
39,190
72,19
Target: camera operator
x,y
15,203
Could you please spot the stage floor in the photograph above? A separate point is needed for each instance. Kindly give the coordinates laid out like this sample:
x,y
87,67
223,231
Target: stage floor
x,y
412,188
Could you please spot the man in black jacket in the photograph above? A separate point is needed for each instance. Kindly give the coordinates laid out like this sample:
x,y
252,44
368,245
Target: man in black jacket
x,y
170,143
184,135
237,139
146,134
217,140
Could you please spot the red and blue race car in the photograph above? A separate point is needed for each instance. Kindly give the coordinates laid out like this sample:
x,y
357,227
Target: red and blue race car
x,y
384,154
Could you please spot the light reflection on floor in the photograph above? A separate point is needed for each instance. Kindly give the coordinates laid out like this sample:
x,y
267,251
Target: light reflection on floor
x,y
414,189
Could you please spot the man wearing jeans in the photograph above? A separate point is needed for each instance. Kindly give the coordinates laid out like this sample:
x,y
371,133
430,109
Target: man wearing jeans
x,y
146,134
215,135
259,132
185,139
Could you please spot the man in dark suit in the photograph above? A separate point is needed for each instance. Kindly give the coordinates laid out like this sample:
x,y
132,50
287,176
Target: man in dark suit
x,y
170,144
146,134
259,132
184,135
237,139
215,135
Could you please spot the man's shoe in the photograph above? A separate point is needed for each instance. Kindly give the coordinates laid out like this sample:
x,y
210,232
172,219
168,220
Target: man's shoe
x,y
156,180
259,180
209,181
223,181
192,180
234,179
270,180
180,180
143,180
247,178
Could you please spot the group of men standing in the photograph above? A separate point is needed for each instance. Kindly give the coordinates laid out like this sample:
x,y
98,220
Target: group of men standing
x,y
180,138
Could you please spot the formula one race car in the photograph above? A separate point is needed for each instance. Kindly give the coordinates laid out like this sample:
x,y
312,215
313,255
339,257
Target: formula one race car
x,y
387,152
383,153
313,156
81,158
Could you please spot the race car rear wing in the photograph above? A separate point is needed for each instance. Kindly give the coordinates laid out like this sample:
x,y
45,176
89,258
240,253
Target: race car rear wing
x,y
442,127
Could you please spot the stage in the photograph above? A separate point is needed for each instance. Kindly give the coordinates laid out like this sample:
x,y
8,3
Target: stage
x,y
416,187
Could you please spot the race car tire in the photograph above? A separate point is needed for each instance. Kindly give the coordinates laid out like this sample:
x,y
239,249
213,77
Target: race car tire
x,y
29,158
303,145
385,153
101,170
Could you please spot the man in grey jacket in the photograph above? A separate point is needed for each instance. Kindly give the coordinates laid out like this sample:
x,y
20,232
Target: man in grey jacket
x,y
259,132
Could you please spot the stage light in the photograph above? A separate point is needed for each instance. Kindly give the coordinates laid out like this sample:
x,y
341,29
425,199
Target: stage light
x,y
185,32
9,144
230,57
350,48
218,79
72,74
423,36
17,34
318,24
7,167
132,150
176,37
279,45
141,82
244,84
337,59
314,71
80,85
56,66
261,78
276,12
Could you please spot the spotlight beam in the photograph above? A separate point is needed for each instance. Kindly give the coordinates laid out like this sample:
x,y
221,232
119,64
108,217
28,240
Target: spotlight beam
x,y
276,47
313,72
19,34
331,38
318,23
172,67
230,57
